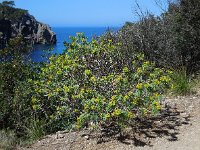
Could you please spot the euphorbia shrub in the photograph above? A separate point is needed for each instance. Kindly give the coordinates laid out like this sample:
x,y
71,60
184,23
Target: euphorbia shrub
x,y
91,84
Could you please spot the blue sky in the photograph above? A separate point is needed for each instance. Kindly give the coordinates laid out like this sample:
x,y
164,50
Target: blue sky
x,y
107,13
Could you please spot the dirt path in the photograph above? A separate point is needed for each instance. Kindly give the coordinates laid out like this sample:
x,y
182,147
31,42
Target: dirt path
x,y
178,128
189,135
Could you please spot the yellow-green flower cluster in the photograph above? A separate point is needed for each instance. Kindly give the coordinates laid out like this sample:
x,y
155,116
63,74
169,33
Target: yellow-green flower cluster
x,y
125,70
117,112
165,79
96,87
157,105
139,86
87,72
119,78
112,102
139,70
93,79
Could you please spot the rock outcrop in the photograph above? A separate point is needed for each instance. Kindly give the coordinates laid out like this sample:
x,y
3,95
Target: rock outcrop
x,y
27,26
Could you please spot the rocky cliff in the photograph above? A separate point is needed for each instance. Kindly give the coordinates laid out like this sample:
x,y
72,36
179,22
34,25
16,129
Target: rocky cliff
x,y
27,26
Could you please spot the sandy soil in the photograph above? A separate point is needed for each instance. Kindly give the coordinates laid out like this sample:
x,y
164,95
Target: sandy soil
x,y
177,128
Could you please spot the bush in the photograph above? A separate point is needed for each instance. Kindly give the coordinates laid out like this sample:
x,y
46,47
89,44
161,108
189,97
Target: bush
x,y
182,84
94,84
15,99
171,40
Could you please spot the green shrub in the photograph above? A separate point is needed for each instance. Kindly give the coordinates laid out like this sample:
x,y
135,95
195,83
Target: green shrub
x,y
15,98
182,84
93,84
171,39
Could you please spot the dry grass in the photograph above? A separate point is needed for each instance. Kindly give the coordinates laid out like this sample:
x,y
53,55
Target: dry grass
x,y
7,140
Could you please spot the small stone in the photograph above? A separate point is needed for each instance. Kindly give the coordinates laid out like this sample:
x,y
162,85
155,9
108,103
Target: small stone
x,y
184,114
86,137
59,135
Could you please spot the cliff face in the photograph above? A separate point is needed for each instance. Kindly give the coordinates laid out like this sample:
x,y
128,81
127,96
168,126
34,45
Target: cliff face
x,y
28,27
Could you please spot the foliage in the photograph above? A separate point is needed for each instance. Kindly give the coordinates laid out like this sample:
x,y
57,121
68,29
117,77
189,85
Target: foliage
x,y
182,84
15,96
94,84
7,11
112,80
170,40
35,130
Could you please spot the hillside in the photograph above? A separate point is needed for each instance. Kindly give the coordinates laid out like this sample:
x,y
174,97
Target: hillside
x,y
18,22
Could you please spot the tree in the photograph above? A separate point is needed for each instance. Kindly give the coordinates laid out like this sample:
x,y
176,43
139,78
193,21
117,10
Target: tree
x,y
190,15
5,6
170,40
8,3
7,11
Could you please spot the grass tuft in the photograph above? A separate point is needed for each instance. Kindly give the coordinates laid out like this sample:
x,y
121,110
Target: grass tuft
x,y
7,139
182,84
35,130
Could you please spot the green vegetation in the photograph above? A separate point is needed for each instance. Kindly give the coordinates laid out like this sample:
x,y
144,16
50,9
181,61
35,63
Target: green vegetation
x,y
8,12
15,107
35,130
93,83
182,85
111,81
170,40
13,76
7,139
90,84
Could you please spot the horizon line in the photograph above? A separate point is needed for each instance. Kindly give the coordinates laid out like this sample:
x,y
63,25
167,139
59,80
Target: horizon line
x,y
86,26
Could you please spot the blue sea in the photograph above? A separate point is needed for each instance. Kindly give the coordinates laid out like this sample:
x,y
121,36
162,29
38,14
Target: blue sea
x,y
40,53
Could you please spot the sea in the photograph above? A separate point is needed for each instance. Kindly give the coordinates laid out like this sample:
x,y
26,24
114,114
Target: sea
x,y
41,53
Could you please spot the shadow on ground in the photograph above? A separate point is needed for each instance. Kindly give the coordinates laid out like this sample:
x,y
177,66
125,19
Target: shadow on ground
x,y
166,124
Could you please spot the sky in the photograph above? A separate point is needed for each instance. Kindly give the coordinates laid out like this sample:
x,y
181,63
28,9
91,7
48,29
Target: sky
x,y
86,13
